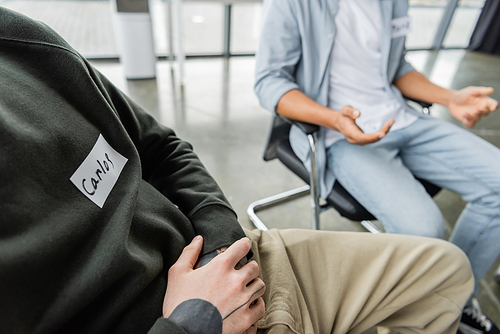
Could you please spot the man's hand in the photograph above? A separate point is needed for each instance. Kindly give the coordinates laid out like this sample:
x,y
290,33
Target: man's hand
x,y
297,106
237,294
470,104
346,124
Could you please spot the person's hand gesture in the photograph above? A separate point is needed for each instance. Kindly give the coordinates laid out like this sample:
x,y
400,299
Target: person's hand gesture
x,y
346,124
237,293
470,104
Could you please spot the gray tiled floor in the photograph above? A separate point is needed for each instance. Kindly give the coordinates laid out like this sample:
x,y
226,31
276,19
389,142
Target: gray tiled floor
x,y
86,25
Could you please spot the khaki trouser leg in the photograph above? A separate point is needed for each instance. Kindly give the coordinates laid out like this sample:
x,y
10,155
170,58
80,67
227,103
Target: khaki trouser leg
x,y
341,282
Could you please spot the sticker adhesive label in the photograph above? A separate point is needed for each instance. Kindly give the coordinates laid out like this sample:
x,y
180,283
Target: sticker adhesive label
x,y
98,173
400,26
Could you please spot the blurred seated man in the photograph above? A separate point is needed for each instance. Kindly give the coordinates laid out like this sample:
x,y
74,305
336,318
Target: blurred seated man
x,y
109,223
341,64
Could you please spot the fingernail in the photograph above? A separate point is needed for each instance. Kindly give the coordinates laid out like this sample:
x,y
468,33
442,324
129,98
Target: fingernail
x,y
197,238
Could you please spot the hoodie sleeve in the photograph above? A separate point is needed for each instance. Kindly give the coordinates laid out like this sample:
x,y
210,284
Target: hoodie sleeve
x,y
193,316
171,166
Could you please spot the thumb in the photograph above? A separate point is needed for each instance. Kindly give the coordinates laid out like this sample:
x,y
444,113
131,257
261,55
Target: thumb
x,y
350,112
190,253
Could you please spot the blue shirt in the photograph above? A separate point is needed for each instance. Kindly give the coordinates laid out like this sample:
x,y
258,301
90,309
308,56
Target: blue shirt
x,y
294,53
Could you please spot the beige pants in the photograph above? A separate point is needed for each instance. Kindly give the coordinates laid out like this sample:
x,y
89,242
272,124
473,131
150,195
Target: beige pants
x,y
322,282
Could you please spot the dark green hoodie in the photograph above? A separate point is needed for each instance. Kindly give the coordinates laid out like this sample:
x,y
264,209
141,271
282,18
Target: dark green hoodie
x,y
71,263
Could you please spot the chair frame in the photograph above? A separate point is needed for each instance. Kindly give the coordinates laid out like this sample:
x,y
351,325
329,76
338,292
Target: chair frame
x,y
291,194
316,208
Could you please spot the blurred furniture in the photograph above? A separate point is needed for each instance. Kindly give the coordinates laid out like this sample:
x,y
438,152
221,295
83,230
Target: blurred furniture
x,y
134,33
177,4
486,35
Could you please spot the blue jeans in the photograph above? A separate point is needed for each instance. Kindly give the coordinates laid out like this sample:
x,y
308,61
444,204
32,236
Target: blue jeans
x,y
381,177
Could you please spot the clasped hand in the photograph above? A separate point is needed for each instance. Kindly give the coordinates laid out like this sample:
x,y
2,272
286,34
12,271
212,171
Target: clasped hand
x,y
237,293
346,124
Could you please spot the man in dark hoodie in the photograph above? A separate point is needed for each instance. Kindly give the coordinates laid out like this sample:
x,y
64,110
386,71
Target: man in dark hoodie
x,y
109,223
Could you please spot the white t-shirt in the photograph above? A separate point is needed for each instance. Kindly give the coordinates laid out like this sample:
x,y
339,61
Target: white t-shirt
x,y
356,77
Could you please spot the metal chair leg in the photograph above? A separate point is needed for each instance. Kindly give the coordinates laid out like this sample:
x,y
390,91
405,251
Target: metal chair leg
x,y
371,227
286,196
272,200
315,209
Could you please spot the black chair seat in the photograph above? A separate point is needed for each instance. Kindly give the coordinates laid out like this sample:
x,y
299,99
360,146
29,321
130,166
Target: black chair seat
x,y
339,198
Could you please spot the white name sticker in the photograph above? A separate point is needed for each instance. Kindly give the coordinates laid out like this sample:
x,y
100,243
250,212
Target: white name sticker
x,y
98,173
401,26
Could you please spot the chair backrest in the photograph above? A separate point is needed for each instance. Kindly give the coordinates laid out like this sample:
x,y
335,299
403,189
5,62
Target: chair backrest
x,y
279,130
